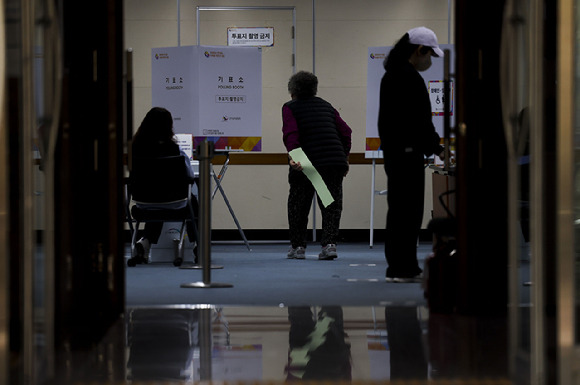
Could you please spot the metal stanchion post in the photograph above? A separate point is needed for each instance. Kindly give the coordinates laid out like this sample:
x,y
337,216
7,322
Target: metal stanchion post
x,y
205,151
205,345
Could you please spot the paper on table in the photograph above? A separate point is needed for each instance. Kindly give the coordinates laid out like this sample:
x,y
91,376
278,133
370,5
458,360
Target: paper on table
x,y
309,170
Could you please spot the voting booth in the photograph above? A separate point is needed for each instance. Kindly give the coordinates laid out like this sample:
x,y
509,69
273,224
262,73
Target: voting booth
x,y
214,93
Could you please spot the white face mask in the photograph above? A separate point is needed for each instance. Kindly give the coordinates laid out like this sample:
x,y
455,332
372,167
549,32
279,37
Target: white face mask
x,y
420,61
423,62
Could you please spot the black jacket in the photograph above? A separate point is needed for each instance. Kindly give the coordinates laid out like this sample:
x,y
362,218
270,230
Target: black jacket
x,y
319,136
405,122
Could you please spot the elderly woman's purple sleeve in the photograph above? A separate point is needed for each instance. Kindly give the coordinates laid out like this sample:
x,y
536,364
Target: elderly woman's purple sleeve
x,y
345,132
289,129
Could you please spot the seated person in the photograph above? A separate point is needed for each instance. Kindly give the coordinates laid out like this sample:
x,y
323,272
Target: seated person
x,y
155,139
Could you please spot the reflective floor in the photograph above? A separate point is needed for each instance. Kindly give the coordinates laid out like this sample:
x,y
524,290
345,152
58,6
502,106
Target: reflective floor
x,y
257,344
294,343
288,320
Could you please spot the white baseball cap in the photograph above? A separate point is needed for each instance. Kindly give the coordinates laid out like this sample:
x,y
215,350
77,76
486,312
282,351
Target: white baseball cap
x,y
424,36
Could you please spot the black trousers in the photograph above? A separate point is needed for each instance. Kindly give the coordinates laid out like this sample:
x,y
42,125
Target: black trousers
x,y
405,342
405,198
328,357
300,200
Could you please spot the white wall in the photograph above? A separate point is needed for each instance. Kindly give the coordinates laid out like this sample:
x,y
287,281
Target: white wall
x,y
344,30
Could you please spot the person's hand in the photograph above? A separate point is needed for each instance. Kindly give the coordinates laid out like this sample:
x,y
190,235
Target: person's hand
x,y
451,156
295,165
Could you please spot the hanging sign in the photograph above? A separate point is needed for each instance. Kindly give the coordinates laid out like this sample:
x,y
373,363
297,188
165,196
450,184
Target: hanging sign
x,y
437,97
251,37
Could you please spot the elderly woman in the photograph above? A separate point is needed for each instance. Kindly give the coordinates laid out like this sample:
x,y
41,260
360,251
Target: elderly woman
x,y
314,125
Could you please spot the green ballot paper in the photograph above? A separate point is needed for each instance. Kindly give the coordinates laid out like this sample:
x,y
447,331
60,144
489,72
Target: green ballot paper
x,y
309,170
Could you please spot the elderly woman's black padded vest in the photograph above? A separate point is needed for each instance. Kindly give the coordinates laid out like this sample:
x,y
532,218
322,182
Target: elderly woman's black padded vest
x,y
319,137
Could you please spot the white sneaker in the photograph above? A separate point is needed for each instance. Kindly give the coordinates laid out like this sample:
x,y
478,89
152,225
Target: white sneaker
x,y
416,279
328,252
297,253
142,250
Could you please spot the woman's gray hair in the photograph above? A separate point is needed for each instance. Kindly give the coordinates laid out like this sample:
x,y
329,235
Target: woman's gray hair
x,y
303,85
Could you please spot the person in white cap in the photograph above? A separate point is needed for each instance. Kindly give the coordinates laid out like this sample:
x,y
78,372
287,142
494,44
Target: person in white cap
x,y
407,136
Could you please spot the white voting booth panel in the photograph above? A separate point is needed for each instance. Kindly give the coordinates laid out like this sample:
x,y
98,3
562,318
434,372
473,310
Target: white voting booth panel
x,y
213,93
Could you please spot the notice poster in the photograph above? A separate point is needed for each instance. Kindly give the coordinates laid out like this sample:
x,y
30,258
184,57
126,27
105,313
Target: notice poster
x,y
433,81
222,102
185,143
251,37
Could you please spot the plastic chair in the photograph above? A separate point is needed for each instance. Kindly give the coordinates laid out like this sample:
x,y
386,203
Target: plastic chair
x,y
161,191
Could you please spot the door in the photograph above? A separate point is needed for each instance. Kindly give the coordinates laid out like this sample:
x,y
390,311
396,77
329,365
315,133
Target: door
x,y
278,61
540,77
529,100
30,67
568,185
